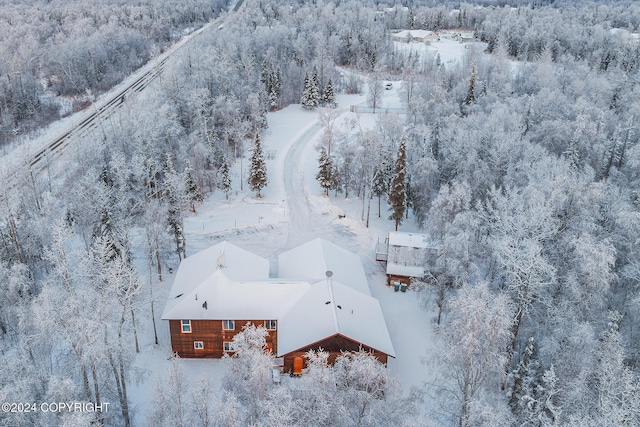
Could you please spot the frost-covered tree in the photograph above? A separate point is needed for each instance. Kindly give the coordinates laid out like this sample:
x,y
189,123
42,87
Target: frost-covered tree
x,y
258,169
374,93
170,401
315,85
329,121
328,97
225,179
397,187
311,93
471,91
249,375
193,191
356,391
175,219
473,353
324,174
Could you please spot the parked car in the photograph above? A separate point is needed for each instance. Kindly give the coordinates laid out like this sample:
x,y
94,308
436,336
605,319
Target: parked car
x,y
388,86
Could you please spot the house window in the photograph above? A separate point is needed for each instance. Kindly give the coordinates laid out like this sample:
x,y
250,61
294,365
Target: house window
x,y
198,345
270,325
228,325
227,346
186,326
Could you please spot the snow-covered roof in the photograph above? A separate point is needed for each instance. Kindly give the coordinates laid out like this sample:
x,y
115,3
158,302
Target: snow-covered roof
x,y
410,240
218,297
240,289
421,34
405,270
238,265
329,308
312,260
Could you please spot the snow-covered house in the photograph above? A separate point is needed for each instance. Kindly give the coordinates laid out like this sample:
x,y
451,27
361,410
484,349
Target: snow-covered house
x,y
219,290
407,255
416,36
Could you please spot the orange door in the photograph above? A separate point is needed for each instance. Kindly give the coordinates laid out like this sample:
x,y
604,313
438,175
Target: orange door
x,y
297,366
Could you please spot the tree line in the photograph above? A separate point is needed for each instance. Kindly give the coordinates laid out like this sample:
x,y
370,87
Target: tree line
x,y
74,48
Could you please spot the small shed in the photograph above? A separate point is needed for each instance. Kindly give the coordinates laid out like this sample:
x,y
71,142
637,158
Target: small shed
x,y
407,255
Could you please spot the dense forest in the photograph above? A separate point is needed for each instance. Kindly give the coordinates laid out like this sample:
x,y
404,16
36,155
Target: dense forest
x,y
523,163
74,47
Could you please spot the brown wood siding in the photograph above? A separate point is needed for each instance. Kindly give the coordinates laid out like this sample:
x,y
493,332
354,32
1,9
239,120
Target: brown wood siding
x,y
395,278
334,346
211,334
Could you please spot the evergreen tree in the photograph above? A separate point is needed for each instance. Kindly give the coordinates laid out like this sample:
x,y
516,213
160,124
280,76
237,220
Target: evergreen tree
x,y
471,93
311,94
225,184
315,87
273,99
106,230
380,183
258,173
435,140
328,97
524,380
174,211
265,75
398,189
324,175
278,82
193,192
306,100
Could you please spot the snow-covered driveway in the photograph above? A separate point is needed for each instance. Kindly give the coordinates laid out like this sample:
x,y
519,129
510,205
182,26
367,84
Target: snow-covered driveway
x,y
299,209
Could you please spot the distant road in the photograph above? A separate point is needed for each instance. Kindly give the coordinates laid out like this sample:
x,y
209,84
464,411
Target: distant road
x,y
104,108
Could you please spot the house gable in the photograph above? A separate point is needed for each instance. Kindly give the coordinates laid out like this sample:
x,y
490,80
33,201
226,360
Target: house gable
x,y
335,345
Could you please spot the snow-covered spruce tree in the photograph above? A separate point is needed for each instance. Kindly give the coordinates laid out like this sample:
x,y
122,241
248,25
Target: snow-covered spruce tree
x,y
324,174
315,87
306,99
193,191
258,173
397,188
225,180
328,97
311,93
336,180
110,227
525,378
471,92
175,219
277,84
273,99
380,183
